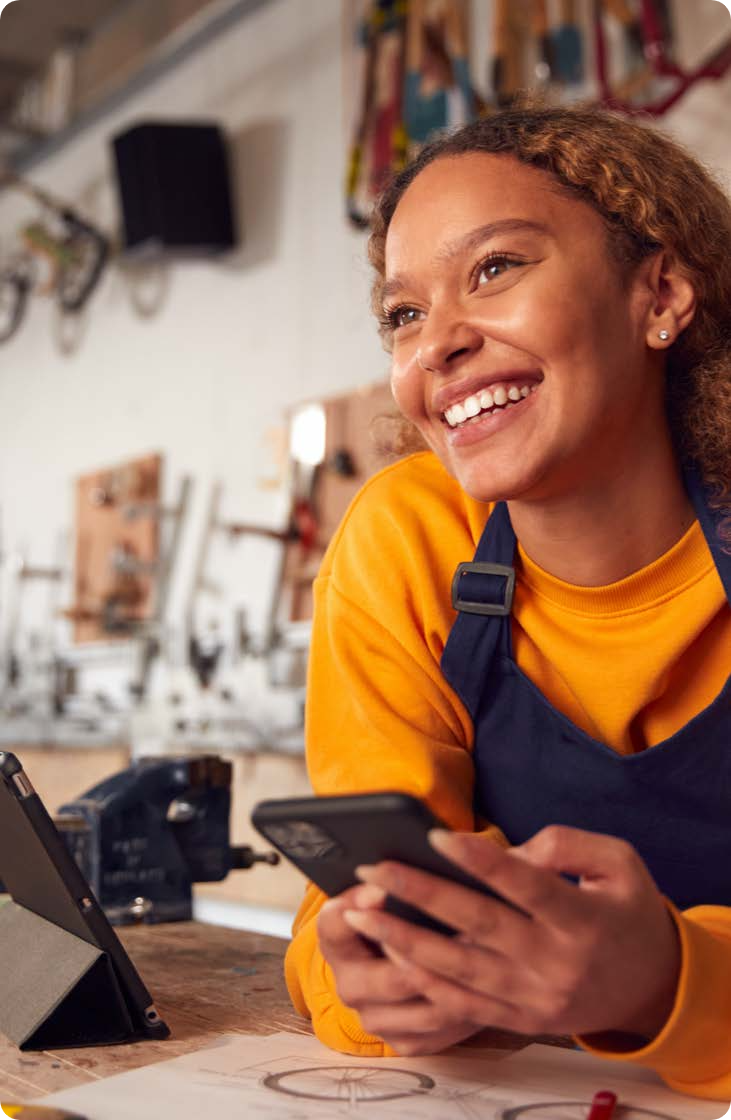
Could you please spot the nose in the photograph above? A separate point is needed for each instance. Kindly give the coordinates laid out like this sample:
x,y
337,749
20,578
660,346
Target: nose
x,y
445,340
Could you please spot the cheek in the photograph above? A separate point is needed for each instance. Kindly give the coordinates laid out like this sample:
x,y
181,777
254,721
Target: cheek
x,y
589,316
407,387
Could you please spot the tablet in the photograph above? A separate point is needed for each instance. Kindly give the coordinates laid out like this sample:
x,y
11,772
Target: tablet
x,y
41,875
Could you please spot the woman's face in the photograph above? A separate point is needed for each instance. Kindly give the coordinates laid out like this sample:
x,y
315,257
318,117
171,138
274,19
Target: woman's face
x,y
519,350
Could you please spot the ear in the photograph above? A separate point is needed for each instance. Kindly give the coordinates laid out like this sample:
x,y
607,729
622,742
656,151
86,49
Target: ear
x,y
671,303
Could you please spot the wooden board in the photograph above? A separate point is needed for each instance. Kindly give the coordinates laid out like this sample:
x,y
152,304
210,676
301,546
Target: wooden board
x,y
102,531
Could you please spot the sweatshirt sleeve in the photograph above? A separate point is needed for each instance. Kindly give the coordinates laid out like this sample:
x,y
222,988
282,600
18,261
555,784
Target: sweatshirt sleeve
x,y
376,720
312,989
379,713
692,1053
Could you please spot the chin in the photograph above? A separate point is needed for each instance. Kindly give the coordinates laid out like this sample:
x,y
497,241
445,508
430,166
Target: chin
x,y
491,484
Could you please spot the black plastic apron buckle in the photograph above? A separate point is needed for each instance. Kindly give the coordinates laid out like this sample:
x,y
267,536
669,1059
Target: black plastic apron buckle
x,y
486,606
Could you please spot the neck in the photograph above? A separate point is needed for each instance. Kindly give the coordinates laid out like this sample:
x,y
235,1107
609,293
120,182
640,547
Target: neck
x,y
609,529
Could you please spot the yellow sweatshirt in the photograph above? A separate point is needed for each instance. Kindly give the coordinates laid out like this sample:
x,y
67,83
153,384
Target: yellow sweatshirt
x,y
629,663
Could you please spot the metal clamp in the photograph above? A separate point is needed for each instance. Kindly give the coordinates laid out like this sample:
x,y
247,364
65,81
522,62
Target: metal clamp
x,y
484,567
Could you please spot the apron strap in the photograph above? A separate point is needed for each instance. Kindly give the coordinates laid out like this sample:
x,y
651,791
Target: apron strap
x,y
482,594
710,521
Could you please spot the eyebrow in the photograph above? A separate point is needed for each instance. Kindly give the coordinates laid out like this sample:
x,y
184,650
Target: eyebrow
x,y
469,241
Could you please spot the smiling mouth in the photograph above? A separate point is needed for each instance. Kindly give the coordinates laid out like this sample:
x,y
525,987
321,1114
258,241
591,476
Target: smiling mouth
x,y
486,402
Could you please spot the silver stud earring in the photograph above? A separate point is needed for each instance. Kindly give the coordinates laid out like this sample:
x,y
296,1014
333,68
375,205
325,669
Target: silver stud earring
x,y
664,335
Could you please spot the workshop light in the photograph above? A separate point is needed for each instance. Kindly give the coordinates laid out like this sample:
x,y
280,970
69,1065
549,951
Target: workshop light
x,y
307,435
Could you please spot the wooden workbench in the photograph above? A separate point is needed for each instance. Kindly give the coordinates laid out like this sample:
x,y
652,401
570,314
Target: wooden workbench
x,y
205,981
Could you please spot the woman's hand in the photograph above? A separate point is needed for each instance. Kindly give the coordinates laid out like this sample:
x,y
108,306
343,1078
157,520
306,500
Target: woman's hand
x,y
599,956
375,986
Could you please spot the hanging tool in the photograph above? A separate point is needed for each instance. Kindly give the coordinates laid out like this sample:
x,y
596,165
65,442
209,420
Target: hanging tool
x,y
23,572
175,516
357,192
513,25
503,90
16,282
645,93
379,145
80,251
626,15
568,47
545,64
302,526
150,633
437,89
116,614
387,137
302,529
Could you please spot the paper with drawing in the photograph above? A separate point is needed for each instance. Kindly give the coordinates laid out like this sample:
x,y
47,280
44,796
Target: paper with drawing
x,y
293,1077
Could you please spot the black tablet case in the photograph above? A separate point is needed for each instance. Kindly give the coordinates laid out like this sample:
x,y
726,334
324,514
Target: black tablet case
x,y
58,986
56,990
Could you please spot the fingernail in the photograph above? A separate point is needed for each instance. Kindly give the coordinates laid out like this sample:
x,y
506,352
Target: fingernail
x,y
370,895
356,919
440,838
365,872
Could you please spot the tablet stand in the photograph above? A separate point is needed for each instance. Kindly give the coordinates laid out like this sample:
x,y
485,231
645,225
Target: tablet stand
x,y
56,990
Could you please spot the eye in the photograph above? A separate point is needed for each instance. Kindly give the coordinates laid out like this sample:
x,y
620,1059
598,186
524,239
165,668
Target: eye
x,y
395,317
495,266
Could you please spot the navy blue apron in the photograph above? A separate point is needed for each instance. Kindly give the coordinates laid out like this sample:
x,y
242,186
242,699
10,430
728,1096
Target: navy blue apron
x,y
534,767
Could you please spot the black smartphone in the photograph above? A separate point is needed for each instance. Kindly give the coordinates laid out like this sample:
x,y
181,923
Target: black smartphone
x,y
328,837
40,874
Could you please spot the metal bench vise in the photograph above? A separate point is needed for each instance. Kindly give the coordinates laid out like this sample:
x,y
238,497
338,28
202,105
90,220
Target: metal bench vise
x,y
144,836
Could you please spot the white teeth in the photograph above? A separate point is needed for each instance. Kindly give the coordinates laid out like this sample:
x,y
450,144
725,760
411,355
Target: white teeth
x,y
472,406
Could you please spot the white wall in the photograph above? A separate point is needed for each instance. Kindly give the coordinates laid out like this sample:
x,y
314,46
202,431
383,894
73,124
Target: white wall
x,y
235,342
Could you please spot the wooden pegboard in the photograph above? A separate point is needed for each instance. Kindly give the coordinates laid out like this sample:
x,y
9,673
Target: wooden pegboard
x,y
117,548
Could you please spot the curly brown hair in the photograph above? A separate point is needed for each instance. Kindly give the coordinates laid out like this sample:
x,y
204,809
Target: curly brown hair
x,y
651,194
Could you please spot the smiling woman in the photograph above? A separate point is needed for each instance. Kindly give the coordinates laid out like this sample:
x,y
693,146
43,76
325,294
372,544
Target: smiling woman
x,y
554,287
648,193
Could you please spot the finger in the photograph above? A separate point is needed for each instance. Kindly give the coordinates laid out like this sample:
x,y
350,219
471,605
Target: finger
x,y
361,984
338,940
539,892
596,858
417,1018
483,920
368,896
361,973
411,1045
421,954
447,1005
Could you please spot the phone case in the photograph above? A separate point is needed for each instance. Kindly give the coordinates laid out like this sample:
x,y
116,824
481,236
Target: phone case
x,y
328,837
